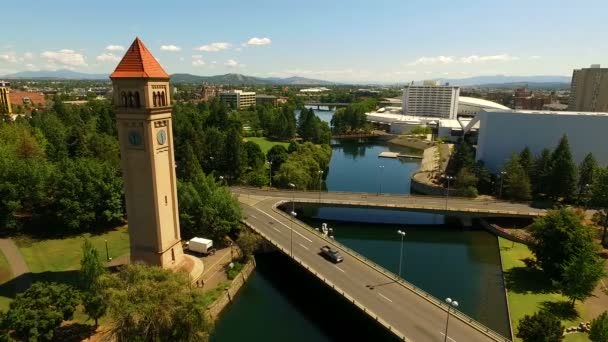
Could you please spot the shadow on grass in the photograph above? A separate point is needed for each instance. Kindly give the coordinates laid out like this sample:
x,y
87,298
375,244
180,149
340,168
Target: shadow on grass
x,y
10,288
528,279
562,310
74,332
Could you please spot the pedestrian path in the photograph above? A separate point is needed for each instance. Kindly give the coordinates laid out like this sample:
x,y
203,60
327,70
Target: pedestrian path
x,y
21,273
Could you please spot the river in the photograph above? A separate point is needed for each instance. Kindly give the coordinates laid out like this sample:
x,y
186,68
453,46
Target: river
x,y
282,302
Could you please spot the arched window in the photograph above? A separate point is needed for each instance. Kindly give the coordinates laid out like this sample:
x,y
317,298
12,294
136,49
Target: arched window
x,y
137,103
123,97
154,98
131,100
163,98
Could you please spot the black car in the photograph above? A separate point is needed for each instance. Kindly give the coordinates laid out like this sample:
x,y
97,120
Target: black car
x,y
331,254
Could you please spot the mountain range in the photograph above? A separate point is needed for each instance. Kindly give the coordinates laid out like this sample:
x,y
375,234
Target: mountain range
x,y
498,81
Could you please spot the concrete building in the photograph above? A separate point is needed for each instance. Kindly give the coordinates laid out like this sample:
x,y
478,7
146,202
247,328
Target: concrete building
x,y
470,106
431,101
502,133
5,100
238,99
208,92
145,134
261,100
589,89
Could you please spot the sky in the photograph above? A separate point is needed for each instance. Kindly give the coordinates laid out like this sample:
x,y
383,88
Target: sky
x,y
335,40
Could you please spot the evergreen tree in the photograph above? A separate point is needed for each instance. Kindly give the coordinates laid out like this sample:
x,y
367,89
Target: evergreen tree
x,y
189,166
233,154
277,155
587,172
527,161
540,327
581,274
516,184
91,269
599,328
463,157
541,176
563,171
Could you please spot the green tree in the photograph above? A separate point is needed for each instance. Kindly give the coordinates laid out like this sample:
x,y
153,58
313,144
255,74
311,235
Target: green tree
x,y
253,155
277,155
36,314
563,171
563,228
516,183
599,198
189,165
587,172
540,327
581,274
91,269
171,312
248,242
541,176
463,157
599,328
526,159
233,154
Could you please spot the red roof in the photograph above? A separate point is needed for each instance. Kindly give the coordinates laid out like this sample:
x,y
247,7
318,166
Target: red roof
x,y
138,62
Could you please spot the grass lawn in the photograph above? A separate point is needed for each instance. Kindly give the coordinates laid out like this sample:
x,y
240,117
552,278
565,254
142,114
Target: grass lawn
x,y
5,274
265,143
528,290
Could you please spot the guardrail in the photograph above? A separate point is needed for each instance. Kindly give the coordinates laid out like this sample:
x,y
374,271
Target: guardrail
x,y
430,298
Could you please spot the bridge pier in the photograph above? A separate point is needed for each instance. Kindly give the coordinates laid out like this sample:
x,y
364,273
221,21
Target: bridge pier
x,y
466,221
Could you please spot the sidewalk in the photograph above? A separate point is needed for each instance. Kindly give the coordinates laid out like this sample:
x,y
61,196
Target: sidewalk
x,y
214,273
21,273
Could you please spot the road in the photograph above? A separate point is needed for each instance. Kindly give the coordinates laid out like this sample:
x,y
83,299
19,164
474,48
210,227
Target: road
x,y
457,205
410,315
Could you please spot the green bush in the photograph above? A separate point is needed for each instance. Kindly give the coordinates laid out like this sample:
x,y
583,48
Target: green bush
x,y
470,191
235,270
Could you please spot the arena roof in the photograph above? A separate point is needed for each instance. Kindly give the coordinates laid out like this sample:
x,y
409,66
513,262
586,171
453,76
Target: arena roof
x,y
472,101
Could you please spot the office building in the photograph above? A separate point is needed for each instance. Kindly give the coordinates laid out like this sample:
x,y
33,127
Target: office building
x,y
5,100
504,132
238,99
431,101
261,100
589,89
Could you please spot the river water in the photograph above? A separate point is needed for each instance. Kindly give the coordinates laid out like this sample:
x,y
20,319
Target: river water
x,y
282,302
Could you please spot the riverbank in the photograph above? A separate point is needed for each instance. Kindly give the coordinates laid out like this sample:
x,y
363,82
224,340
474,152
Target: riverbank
x,y
220,304
411,142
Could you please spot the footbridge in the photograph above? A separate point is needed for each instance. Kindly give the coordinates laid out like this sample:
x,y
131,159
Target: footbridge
x,y
408,312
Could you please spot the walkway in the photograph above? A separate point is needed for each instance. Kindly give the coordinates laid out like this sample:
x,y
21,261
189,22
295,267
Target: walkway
x,y
21,273
452,205
214,273
411,314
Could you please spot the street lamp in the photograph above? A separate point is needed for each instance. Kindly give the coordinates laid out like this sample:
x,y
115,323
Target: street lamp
x,y
320,172
502,176
293,215
447,193
381,167
402,233
451,303
107,253
587,194
222,180
270,172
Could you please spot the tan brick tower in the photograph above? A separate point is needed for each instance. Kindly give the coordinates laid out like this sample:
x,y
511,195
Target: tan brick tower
x,y
143,118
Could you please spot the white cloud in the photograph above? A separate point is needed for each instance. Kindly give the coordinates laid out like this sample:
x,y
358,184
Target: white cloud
x,y
493,58
433,60
170,48
197,56
214,47
233,64
28,56
115,48
198,62
258,41
181,59
108,57
9,57
535,57
238,49
30,66
66,57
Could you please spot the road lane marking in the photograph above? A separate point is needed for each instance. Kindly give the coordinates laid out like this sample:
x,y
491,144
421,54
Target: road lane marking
x,y
286,226
340,269
306,248
449,338
276,229
254,216
385,297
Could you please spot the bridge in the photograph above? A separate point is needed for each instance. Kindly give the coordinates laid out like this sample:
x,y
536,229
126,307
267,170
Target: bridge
x,y
408,312
326,104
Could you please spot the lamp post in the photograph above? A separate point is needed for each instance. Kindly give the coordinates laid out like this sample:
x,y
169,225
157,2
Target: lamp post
x,y
451,303
107,253
587,195
221,180
320,172
293,215
402,233
381,167
270,172
447,193
502,177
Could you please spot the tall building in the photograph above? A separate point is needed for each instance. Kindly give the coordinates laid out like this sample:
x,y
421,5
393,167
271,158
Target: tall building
x,y
5,100
589,89
431,101
238,99
143,118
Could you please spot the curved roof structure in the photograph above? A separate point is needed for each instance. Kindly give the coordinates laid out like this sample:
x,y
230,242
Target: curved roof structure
x,y
472,101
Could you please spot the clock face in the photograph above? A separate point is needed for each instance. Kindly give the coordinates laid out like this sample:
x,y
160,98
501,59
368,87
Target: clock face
x,y
161,136
135,138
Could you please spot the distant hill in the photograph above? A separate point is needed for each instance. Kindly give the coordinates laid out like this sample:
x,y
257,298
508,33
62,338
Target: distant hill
x,y
62,74
239,79
529,85
501,79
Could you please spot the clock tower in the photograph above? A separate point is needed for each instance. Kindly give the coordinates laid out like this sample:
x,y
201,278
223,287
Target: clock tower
x,y
143,118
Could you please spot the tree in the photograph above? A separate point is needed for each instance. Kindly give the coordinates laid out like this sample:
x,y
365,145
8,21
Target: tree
x,y
541,176
277,155
516,182
563,171
35,314
91,269
599,198
189,165
563,228
171,312
581,274
540,327
463,157
587,172
599,328
248,242
527,161
233,154
253,155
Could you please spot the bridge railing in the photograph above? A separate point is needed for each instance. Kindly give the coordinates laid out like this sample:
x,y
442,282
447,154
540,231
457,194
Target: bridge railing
x,y
430,298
